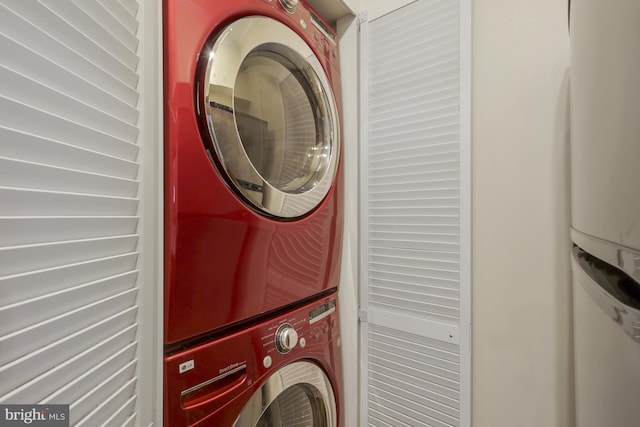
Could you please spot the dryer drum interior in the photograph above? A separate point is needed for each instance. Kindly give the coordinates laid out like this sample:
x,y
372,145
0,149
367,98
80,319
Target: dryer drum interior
x,y
298,395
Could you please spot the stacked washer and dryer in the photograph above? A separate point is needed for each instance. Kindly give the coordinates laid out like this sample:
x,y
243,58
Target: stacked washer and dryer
x,y
253,215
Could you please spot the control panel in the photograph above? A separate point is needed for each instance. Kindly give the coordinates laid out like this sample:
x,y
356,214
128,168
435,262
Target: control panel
x,y
297,330
322,34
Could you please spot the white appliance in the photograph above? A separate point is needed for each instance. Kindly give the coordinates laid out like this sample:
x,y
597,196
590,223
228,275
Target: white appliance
x,y
605,162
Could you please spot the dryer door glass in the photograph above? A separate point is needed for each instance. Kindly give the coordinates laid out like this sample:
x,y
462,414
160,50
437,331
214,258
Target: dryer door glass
x,y
271,117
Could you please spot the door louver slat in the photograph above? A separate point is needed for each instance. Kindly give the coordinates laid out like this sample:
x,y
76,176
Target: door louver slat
x,y
56,28
33,38
23,146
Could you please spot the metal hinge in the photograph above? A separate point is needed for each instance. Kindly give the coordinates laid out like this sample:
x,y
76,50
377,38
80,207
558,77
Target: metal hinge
x,y
363,316
362,18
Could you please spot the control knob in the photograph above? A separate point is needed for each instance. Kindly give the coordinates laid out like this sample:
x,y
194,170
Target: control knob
x,y
289,5
286,338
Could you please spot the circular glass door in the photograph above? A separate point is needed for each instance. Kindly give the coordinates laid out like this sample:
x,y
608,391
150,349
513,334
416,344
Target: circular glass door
x,y
270,115
298,395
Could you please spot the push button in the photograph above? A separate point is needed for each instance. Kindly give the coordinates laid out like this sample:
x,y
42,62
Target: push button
x,y
267,361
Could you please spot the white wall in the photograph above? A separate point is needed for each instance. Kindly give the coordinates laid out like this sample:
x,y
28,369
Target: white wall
x,y
521,278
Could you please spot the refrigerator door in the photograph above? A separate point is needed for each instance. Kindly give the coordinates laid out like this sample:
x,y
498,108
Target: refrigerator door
x,y
605,126
606,343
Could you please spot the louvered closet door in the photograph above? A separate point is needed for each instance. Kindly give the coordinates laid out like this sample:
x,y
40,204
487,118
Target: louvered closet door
x,y
69,206
415,247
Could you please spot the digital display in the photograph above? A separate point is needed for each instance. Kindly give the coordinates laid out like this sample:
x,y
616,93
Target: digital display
x,y
320,25
318,312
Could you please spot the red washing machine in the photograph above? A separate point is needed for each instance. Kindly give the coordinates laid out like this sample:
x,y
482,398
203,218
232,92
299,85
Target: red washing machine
x,y
284,371
253,182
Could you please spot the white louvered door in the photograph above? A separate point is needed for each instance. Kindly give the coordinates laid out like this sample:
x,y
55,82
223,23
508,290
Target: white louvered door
x,y
415,215
70,189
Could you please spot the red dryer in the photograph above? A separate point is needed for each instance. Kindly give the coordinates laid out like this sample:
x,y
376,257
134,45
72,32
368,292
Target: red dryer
x,y
253,181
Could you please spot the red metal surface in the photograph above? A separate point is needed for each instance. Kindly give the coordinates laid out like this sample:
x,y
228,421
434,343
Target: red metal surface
x,y
225,263
219,404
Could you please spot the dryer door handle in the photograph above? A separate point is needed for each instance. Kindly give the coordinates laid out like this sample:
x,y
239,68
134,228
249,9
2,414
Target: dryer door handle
x,y
214,388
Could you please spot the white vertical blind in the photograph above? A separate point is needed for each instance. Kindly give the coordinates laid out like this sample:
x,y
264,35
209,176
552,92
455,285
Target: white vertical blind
x,y
412,213
69,220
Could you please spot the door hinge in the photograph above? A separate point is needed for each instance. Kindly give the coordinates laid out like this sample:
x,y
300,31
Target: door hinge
x,y
362,18
363,316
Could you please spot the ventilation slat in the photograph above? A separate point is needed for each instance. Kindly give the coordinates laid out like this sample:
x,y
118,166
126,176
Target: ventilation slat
x,y
21,117
415,269
410,408
37,96
41,387
14,317
407,104
440,384
386,275
430,29
28,359
424,307
33,284
131,6
409,118
432,228
21,174
122,415
55,76
444,128
20,259
380,418
15,231
33,38
413,254
434,212
125,16
421,288
116,398
411,17
93,31
52,203
22,146
410,148
113,361
20,343
100,15
131,421
439,402
419,297
438,366
411,161
410,202
56,28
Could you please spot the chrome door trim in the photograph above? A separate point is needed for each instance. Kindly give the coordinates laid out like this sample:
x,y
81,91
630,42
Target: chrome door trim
x,y
302,373
274,37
